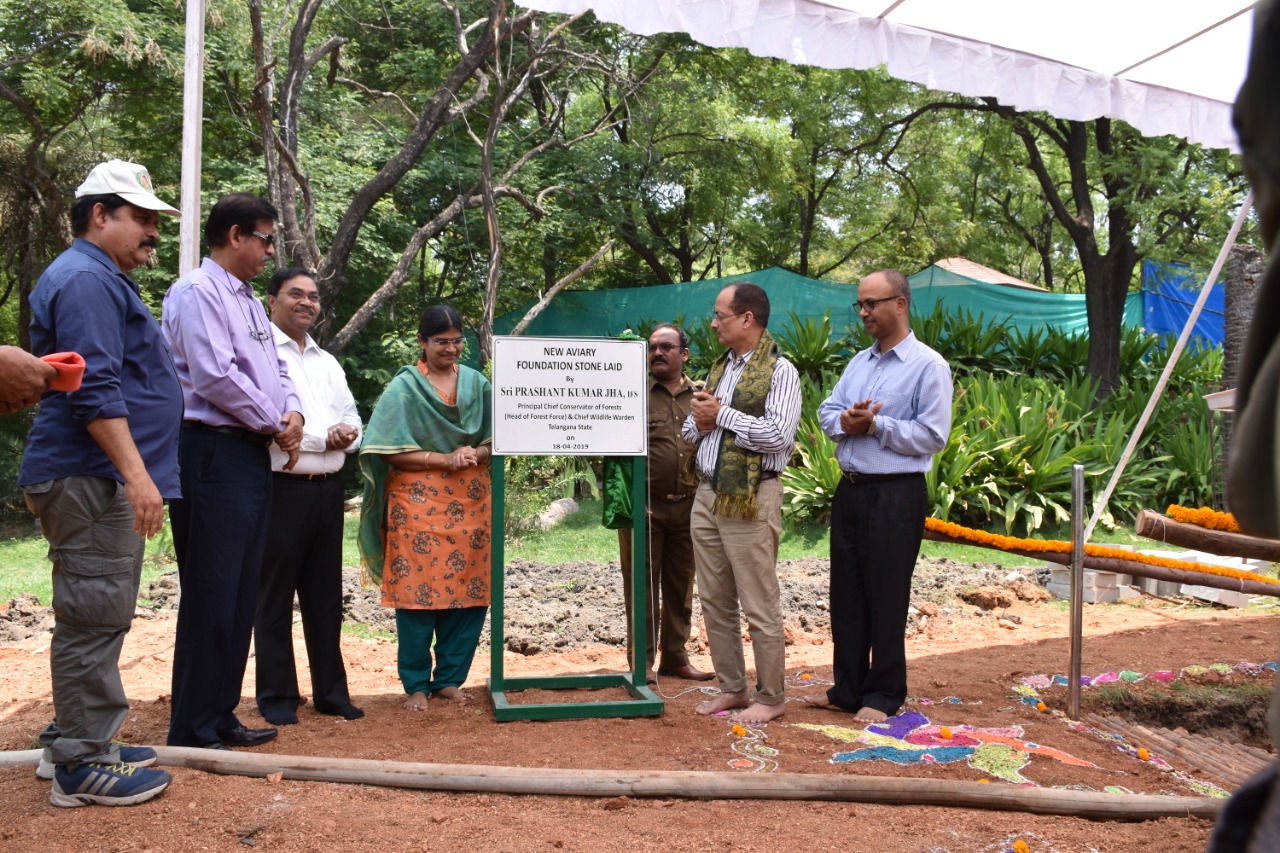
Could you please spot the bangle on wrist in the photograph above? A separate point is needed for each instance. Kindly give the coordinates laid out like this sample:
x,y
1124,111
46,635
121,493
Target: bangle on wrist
x,y
426,459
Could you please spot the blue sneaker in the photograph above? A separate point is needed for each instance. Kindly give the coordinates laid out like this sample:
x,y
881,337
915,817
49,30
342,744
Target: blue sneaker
x,y
106,785
138,756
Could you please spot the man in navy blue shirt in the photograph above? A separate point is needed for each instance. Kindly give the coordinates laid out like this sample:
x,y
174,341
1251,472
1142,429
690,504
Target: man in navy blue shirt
x,y
98,465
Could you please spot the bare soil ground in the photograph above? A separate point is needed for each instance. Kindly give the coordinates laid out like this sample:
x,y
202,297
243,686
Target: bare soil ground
x,y
965,664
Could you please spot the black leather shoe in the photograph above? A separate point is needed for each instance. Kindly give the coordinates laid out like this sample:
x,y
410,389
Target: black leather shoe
x,y
244,736
217,744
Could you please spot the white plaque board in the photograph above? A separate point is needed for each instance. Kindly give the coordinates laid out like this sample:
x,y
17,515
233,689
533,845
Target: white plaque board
x,y
570,397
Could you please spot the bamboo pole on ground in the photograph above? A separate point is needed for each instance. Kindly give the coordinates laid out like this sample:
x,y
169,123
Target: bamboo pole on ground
x,y
1153,525
1131,567
692,784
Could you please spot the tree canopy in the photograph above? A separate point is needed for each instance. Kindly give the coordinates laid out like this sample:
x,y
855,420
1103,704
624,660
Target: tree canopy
x,y
476,152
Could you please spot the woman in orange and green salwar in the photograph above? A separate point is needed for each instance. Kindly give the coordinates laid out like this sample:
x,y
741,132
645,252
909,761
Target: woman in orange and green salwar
x,y
425,520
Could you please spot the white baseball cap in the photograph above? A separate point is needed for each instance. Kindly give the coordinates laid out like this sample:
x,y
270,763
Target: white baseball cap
x,y
129,181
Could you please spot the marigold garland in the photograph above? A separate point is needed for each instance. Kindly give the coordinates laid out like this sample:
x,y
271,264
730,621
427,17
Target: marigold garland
x,y
1012,543
1203,517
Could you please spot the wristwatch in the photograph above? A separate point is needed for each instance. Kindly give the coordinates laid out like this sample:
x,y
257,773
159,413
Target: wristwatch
x,y
871,427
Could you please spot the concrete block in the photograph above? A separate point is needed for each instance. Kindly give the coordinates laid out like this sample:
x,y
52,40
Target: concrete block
x,y
1091,578
1225,597
1091,594
1156,587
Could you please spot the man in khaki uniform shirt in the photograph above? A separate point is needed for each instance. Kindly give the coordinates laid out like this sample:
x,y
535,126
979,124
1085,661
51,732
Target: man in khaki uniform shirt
x,y
670,546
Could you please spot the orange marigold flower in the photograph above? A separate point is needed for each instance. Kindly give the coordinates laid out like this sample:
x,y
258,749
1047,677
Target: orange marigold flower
x,y
739,731
1013,543
1203,517
945,733
804,676
1040,706
1143,755
1021,846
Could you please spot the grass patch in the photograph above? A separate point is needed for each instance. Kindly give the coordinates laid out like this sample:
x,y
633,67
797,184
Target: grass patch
x,y
1231,711
356,629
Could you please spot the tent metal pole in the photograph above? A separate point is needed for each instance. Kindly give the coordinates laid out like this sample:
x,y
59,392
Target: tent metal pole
x,y
1101,504
1077,591
192,132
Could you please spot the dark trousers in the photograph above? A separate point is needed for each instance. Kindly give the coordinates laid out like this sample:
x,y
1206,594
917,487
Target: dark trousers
x,y
303,555
219,529
876,530
453,634
669,611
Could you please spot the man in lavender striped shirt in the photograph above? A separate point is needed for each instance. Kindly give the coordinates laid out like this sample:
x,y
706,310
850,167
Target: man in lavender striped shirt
x,y
888,414
237,399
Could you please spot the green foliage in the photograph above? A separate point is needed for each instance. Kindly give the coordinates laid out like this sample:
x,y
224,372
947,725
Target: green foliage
x,y
810,485
1024,414
13,434
809,344
533,482
704,348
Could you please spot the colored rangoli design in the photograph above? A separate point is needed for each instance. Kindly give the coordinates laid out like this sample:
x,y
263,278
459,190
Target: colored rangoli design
x,y
1033,683
910,738
752,753
1027,690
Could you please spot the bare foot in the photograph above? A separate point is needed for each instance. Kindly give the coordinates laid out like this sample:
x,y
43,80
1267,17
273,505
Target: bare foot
x,y
870,715
417,701
758,713
452,693
724,702
820,700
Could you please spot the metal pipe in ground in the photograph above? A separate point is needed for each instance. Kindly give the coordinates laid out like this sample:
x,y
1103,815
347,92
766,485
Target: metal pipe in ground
x,y
1077,590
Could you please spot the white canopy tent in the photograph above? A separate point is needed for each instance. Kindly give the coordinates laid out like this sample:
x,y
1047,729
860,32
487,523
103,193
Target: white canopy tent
x,y
1163,66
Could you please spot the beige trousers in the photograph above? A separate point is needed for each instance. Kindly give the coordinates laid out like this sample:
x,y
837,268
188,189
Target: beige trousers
x,y
737,564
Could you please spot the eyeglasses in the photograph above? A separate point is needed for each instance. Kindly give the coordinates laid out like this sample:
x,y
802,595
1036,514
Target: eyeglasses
x,y
665,346
448,342
870,304
269,239
717,317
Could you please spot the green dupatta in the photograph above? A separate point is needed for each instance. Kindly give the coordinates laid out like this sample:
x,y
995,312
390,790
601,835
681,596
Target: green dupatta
x,y
411,416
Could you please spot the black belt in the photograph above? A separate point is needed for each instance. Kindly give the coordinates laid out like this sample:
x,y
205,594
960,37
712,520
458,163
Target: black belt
x,y
310,478
860,479
234,432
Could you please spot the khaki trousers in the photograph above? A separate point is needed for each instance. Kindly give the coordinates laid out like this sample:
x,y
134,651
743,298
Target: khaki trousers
x,y
737,563
670,584
97,565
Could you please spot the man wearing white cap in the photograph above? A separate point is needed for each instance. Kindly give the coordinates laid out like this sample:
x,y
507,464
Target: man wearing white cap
x,y
99,463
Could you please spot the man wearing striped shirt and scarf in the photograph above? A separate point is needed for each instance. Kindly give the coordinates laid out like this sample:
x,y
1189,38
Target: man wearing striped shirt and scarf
x,y
744,425
888,414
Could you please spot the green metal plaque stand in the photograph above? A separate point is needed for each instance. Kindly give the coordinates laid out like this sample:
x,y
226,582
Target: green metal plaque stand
x,y
643,702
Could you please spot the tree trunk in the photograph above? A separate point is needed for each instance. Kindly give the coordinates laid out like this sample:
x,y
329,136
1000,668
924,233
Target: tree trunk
x,y
1245,267
1106,289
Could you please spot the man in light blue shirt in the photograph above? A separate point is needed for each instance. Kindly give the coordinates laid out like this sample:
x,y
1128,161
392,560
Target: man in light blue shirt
x,y
888,414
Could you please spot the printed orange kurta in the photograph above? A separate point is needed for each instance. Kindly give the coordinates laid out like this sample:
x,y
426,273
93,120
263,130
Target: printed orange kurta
x,y
437,539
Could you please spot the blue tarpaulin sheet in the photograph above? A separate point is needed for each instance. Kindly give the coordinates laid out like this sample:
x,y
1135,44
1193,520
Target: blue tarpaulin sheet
x,y
1170,291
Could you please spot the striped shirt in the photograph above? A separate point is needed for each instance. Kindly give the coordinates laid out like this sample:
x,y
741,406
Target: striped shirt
x,y
772,435
914,384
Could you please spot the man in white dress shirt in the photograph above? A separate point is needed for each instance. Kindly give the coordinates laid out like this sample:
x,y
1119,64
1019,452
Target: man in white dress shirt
x,y
304,541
